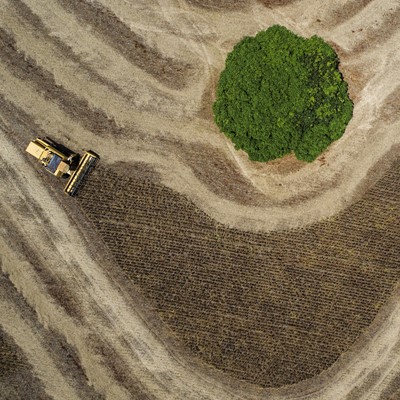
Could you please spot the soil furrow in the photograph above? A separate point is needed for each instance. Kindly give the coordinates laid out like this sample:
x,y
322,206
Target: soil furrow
x,y
17,380
381,33
181,281
118,35
181,266
62,354
39,29
77,108
350,9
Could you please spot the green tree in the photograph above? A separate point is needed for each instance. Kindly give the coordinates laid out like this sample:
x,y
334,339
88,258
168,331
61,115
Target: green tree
x,y
281,93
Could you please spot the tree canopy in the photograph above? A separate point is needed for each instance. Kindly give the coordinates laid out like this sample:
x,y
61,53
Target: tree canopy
x,y
280,93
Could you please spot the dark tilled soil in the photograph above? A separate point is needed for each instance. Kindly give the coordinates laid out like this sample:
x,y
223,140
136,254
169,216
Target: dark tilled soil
x,y
276,3
222,175
17,380
118,35
380,34
272,309
344,12
219,5
39,29
118,369
43,81
17,376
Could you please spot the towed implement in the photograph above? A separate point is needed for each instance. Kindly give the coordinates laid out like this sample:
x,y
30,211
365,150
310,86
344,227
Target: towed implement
x,y
62,163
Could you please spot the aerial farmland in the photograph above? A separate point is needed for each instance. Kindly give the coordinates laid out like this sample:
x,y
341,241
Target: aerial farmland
x,y
194,262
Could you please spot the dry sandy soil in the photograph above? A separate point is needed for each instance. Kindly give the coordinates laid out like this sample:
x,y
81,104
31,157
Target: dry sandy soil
x,y
182,270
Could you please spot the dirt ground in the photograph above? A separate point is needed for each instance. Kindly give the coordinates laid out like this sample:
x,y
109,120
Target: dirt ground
x,y
134,81
244,302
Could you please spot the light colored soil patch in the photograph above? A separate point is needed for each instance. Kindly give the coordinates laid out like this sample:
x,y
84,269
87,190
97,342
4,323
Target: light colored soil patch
x,y
65,75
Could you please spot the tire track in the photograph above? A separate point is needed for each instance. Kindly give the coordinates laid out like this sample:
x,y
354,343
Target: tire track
x,y
382,33
146,356
26,69
112,30
29,81
276,3
16,376
346,11
39,81
277,188
336,387
221,5
106,60
375,23
217,303
61,353
56,387
127,111
40,31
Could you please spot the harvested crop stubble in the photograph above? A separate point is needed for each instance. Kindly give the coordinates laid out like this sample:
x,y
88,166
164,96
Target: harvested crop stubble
x,y
17,379
272,309
16,376
27,371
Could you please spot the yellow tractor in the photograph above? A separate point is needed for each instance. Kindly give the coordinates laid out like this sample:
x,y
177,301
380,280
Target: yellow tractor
x,y
62,163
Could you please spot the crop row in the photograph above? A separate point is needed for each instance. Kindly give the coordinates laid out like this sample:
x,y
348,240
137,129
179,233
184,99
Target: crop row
x,y
271,308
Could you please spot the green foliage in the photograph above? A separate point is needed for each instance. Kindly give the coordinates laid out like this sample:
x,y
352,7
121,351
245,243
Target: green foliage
x,y
281,93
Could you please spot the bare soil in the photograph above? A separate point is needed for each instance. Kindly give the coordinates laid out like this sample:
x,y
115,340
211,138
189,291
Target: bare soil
x,y
245,302
183,270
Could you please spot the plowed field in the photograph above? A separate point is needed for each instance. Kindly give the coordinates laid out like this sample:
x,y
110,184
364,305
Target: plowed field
x,y
272,309
183,270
